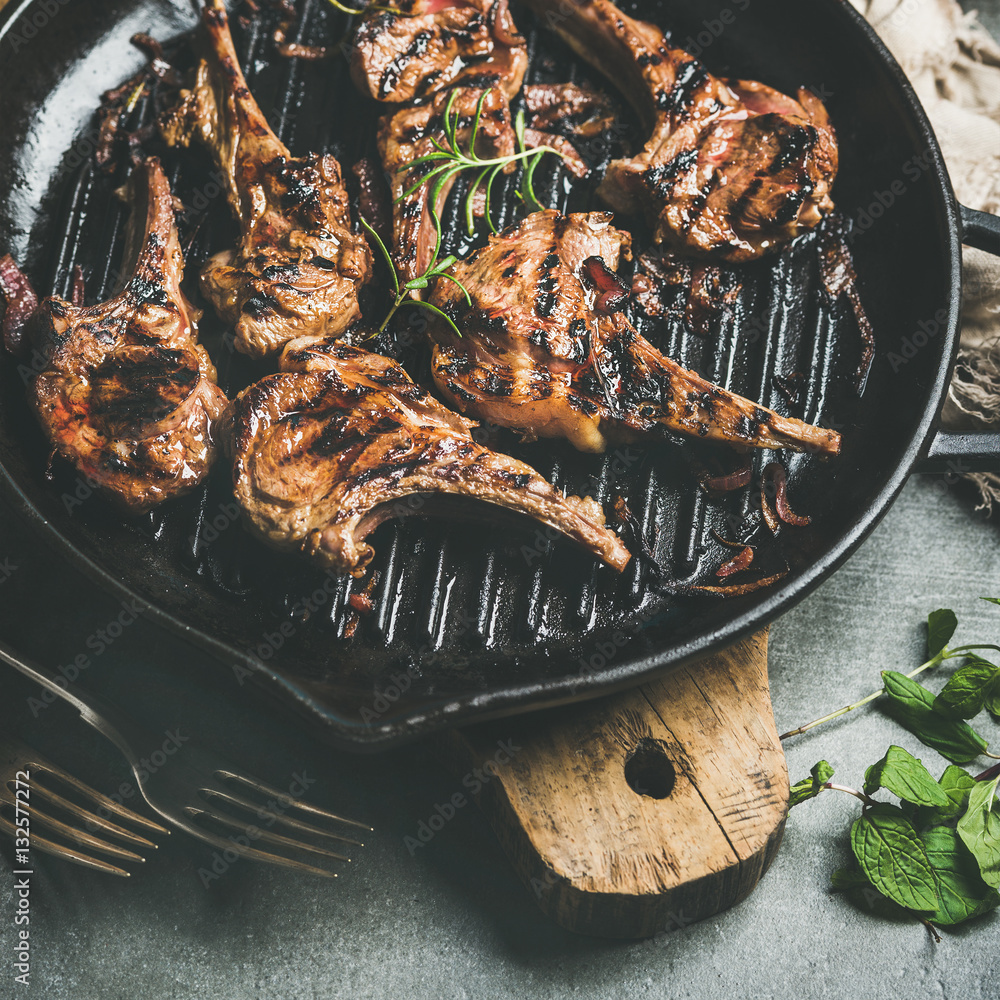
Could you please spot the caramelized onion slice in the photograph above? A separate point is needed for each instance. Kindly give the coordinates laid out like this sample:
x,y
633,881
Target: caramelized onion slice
x,y
740,561
729,481
777,474
738,589
19,301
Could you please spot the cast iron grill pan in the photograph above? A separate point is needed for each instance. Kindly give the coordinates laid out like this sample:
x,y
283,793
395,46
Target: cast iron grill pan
x,y
481,615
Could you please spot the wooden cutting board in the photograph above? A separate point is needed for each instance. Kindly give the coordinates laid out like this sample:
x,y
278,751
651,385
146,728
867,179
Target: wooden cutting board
x,y
641,813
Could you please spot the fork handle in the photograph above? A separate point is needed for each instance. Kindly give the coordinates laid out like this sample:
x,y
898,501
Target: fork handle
x,y
106,719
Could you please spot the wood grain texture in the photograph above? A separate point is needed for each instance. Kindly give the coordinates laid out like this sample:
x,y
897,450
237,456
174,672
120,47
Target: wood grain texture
x,y
599,856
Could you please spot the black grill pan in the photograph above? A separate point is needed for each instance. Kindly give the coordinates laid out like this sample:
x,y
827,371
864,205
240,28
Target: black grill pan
x,y
473,619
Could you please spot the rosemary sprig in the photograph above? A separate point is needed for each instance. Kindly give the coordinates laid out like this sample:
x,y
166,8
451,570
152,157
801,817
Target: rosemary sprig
x,y
352,12
449,160
436,269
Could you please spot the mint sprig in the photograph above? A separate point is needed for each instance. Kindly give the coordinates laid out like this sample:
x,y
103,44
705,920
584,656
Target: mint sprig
x,y
935,853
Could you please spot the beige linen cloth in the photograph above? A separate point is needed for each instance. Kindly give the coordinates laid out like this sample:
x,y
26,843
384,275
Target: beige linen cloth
x,y
954,66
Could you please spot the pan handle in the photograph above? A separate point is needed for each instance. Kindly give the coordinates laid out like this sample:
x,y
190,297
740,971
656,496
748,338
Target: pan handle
x,y
958,452
980,230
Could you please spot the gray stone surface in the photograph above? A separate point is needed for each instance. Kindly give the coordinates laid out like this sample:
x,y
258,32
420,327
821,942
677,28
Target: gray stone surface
x,y
453,921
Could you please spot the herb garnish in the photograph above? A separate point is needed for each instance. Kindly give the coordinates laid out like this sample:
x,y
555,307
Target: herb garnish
x,y
449,160
351,12
437,268
936,853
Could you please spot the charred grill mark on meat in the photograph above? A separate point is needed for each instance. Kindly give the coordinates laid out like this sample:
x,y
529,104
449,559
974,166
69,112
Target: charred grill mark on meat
x,y
732,169
415,131
127,394
561,113
545,350
696,291
420,56
431,44
298,266
328,449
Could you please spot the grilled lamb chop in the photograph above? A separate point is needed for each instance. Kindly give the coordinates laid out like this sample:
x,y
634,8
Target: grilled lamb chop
x,y
127,393
298,267
412,132
329,448
732,168
545,348
430,44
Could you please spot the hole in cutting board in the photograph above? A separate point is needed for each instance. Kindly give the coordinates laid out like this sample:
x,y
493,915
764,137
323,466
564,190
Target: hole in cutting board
x,y
648,770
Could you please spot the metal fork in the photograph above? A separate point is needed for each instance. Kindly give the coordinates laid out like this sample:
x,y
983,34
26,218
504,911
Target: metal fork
x,y
195,790
21,767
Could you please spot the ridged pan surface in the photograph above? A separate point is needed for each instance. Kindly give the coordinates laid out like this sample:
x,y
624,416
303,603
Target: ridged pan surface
x,y
473,617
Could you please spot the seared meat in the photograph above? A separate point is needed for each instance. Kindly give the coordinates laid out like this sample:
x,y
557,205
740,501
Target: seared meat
x,y
334,445
127,394
732,168
546,350
694,290
568,107
298,267
433,43
412,132
559,114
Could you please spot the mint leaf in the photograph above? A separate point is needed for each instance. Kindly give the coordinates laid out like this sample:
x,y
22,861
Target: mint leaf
x,y
941,625
892,856
962,894
809,788
913,706
991,698
964,696
849,878
903,775
992,600
956,783
979,829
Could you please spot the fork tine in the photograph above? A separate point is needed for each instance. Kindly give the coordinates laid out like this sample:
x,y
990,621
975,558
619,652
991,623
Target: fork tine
x,y
226,844
270,838
296,824
66,853
101,800
261,786
92,818
82,837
